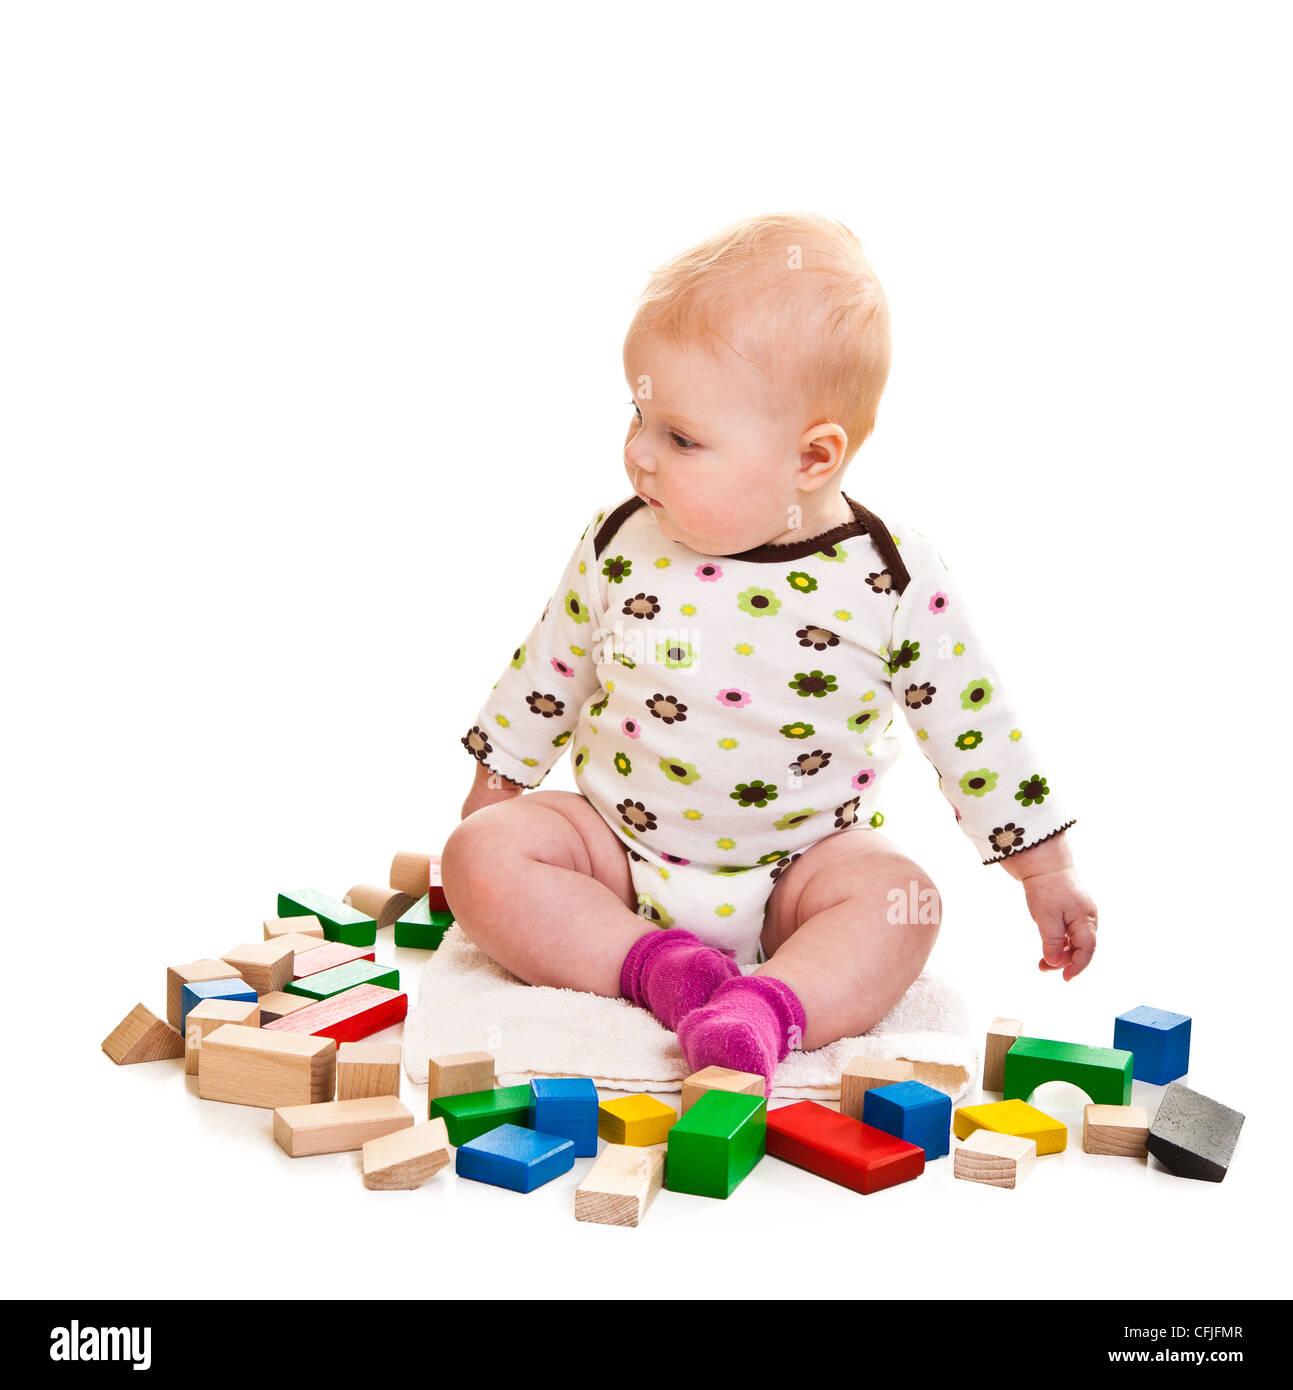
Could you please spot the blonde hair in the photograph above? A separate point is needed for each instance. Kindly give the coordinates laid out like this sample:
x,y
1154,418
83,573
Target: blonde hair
x,y
793,295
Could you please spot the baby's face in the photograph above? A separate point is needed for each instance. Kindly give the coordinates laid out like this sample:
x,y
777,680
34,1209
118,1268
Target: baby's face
x,y
719,468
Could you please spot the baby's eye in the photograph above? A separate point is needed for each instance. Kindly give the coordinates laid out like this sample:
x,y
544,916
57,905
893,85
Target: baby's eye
x,y
680,442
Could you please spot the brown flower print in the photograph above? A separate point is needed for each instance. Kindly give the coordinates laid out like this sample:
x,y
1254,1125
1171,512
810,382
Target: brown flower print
x,y
818,638
546,705
477,744
636,816
881,583
641,606
810,764
1006,839
918,695
782,865
846,816
667,708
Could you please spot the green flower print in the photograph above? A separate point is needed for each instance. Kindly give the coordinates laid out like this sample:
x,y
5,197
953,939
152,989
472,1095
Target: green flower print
x,y
623,764
877,820
793,819
677,771
518,656
758,603
597,710
675,654
754,793
975,694
812,683
904,656
1034,791
575,608
800,730
971,738
562,738
626,661
863,720
729,869
651,910
800,582
833,552
617,569
581,760
978,783
770,858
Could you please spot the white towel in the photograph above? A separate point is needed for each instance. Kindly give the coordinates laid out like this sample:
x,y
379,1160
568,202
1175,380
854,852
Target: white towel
x,y
467,1003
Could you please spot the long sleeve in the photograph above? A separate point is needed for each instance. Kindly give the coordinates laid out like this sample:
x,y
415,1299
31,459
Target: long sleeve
x,y
534,706
1006,796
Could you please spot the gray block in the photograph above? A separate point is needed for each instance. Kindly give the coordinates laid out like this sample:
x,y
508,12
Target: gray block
x,y
1194,1135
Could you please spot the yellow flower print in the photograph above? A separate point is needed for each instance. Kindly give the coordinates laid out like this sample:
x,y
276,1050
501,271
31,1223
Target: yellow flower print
x,y
662,563
530,762
743,649
725,843
577,651
664,873
729,743
692,814
688,609
725,909
583,568
870,695
610,686
1016,735
503,720
922,733
958,649
844,615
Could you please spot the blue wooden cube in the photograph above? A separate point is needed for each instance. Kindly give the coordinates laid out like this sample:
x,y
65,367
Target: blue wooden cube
x,y
1158,1041
516,1158
566,1106
912,1111
200,990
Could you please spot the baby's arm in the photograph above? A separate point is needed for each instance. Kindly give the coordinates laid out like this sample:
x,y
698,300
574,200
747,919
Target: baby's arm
x,y
994,778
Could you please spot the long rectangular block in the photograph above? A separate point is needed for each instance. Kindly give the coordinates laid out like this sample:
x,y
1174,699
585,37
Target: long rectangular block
x,y
1104,1073
177,976
1002,1036
1158,1040
516,1158
329,955
367,1069
716,1144
342,977
274,927
422,928
621,1185
566,1106
338,1126
348,1016
209,1015
468,1116
193,993
340,921
407,1158
142,1037
279,1005
1194,1135
252,1066
266,966
841,1149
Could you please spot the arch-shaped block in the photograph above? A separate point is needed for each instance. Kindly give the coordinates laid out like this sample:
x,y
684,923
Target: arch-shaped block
x,y
1104,1073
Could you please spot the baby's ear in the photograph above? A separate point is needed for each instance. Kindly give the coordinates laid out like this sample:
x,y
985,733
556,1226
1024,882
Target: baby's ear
x,y
821,455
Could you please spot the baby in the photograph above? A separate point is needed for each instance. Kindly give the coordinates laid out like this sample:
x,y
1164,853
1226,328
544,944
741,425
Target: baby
x,y
723,655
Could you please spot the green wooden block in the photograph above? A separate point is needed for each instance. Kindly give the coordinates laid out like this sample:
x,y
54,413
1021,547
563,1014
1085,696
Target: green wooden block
x,y
476,1113
1104,1073
716,1143
422,928
342,977
340,921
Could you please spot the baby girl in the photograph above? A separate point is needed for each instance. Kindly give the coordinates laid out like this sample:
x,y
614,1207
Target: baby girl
x,y
723,656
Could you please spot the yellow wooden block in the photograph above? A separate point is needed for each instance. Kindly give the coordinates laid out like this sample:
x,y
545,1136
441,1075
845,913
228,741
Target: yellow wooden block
x,y
636,1120
1013,1117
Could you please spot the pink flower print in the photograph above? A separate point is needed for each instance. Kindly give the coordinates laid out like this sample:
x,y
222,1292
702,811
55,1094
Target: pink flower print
x,y
938,602
630,728
674,859
733,698
864,779
561,668
709,573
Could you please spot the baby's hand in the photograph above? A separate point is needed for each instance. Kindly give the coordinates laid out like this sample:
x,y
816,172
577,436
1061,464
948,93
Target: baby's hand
x,y
1065,914
487,789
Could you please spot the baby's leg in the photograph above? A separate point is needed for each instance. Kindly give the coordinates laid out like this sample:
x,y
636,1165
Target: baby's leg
x,y
828,932
541,884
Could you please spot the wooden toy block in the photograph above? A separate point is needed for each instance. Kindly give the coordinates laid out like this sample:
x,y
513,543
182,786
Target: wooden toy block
x,y
420,928
565,1106
209,1015
459,1074
143,1037
411,873
716,1145
177,976
329,955
744,1083
338,1126
435,889
621,1185
230,987
1158,1041
348,1016
252,1066
912,1111
513,1157
1194,1135
384,905
279,1005
469,1116
637,1120
865,1074
841,1149
1104,1073
1002,1036
325,983
303,945
996,1160
407,1158
1115,1129
1016,1118
292,926
266,966
340,921
367,1069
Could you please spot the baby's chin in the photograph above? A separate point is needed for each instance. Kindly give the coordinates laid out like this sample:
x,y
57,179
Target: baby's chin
x,y
703,543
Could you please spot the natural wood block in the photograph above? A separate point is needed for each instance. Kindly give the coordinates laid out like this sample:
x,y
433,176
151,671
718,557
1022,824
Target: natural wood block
x,y
142,1037
265,965
863,1074
279,1005
1001,1038
302,943
411,873
1115,1129
384,905
254,1066
997,1160
367,1069
289,926
459,1074
742,1083
195,972
337,1126
209,1015
406,1158
621,1185
348,1016
639,1120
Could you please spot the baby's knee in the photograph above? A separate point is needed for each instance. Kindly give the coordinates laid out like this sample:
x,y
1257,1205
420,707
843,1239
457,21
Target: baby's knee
x,y
885,879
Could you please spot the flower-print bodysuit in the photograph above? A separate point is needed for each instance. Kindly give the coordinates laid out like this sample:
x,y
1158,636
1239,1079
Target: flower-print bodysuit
x,y
724,713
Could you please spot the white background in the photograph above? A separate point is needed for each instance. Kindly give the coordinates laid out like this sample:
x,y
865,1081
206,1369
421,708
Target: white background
x,y
311,319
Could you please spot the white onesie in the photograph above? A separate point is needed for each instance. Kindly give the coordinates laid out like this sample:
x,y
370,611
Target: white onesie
x,y
726,712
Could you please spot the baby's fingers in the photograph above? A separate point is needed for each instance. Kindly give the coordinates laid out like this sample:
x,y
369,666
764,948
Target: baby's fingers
x,y
1082,943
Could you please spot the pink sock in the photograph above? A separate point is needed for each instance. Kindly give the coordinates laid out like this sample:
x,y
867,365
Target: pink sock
x,y
749,1024
671,973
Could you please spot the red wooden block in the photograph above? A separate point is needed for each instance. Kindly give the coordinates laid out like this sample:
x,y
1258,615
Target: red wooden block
x,y
438,903
325,957
841,1149
348,1016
